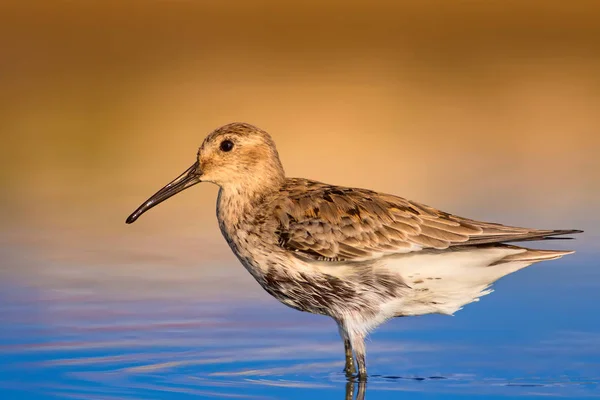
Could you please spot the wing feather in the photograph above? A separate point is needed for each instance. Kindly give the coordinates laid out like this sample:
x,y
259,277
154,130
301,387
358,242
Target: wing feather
x,y
332,223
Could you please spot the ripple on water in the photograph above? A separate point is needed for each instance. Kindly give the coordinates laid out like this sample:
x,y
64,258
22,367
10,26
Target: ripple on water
x,y
92,347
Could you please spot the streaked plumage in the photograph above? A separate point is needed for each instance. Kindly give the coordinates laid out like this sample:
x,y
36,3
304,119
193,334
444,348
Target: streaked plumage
x,y
358,256
333,223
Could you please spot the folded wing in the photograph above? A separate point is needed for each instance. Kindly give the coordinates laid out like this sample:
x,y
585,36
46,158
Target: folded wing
x,y
330,223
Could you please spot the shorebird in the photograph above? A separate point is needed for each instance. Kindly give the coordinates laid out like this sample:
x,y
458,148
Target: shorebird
x,y
358,256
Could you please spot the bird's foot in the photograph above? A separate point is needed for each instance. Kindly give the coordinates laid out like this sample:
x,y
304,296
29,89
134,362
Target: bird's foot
x,y
361,377
350,370
356,377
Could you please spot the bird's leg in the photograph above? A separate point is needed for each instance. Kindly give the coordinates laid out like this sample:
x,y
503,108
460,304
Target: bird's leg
x,y
357,340
349,369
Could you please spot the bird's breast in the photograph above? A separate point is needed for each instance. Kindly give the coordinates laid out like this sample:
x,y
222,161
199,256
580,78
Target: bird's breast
x,y
250,241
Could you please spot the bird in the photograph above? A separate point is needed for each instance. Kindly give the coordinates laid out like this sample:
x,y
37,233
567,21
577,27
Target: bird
x,y
358,256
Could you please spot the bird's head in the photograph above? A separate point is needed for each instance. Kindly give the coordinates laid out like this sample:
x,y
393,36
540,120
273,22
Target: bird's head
x,y
238,157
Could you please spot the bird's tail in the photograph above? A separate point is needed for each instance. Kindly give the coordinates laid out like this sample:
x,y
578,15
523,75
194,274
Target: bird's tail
x,y
532,255
444,282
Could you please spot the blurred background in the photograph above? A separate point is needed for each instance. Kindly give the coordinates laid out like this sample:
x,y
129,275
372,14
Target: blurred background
x,y
487,109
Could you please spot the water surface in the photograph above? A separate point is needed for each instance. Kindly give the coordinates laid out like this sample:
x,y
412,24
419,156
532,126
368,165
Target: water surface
x,y
91,338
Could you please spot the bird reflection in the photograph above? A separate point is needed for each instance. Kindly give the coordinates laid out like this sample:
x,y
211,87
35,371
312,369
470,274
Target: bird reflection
x,y
361,389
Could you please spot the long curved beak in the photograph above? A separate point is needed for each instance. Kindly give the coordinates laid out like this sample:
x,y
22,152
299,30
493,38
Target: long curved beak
x,y
188,179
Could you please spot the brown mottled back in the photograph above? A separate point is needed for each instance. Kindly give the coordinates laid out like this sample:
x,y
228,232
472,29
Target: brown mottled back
x,y
332,223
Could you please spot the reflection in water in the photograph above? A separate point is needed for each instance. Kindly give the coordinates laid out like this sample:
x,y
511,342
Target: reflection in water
x,y
360,395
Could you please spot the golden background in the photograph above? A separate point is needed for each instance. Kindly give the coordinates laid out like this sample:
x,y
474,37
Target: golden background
x,y
488,109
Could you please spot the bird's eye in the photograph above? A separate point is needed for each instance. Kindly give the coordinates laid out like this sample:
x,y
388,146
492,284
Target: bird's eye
x,y
226,145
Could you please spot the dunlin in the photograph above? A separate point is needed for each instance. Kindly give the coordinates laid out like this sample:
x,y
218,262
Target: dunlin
x,y
358,256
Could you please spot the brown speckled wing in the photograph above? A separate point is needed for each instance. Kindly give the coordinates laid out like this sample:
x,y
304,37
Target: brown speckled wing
x,y
330,223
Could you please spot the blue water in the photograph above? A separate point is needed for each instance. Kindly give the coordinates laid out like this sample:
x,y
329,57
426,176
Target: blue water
x,y
537,335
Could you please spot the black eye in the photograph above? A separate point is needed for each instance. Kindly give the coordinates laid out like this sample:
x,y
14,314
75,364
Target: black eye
x,y
226,145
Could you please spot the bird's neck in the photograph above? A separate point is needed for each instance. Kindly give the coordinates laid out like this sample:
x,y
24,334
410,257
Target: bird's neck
x,y
239,201
237,209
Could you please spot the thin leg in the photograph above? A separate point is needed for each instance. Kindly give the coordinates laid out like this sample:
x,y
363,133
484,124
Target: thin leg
x,y
349,369
357,341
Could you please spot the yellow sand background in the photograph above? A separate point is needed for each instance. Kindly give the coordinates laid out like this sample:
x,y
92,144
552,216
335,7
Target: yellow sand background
x,y
489,109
